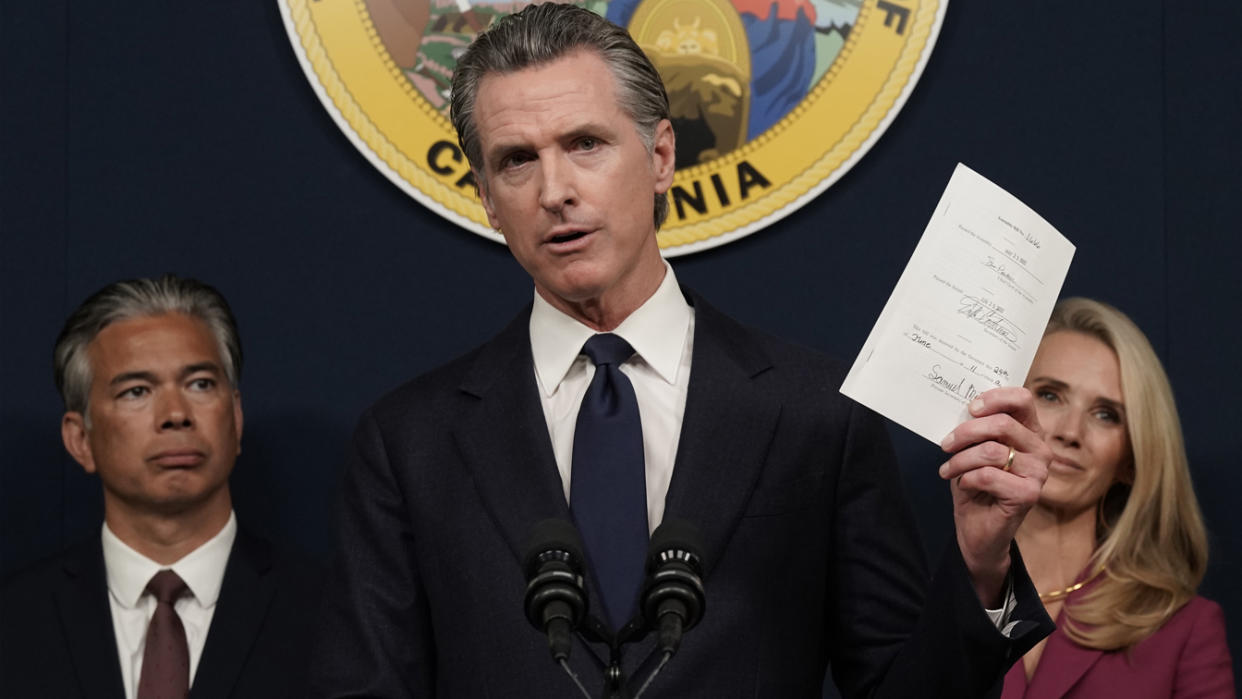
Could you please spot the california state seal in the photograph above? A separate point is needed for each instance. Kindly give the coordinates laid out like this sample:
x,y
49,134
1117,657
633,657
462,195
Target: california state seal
x,y
772,101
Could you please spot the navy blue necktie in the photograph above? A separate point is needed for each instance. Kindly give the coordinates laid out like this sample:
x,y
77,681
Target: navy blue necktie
x,y
608,490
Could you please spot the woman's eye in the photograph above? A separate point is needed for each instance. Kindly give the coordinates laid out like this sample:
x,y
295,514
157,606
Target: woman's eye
x,y
1108,415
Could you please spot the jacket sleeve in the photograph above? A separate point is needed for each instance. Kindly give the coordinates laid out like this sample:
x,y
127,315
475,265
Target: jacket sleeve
x,y
898,633
374,635
1204,668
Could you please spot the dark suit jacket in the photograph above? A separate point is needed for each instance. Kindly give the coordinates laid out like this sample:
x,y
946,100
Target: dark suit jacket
x,y
810,549
57,639
1188,657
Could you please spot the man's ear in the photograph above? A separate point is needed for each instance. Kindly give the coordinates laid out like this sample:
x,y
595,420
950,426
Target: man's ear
x,y
664,155
486,198
74,434
237,418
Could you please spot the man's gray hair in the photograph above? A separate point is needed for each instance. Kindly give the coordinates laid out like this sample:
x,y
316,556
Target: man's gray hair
x,y
540,34
139,298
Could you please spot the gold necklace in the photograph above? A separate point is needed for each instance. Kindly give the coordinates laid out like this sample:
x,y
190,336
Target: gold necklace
x,y
1058,594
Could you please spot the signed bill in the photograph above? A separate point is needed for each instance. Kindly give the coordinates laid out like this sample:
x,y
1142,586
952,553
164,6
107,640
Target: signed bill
x,y
968,312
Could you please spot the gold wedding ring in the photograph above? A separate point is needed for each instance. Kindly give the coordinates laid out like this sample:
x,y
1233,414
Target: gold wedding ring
x,y
1009,462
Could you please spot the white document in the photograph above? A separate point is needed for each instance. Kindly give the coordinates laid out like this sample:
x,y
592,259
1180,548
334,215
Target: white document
x,y
968,312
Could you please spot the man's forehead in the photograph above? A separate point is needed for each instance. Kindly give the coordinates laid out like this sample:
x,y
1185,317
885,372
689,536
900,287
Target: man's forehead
x,y
569,92
150,342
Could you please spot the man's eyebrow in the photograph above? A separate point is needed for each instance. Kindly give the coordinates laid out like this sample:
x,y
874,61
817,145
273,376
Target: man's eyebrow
x,y
209,367
587,129
497,151
502,148
128,376
150,377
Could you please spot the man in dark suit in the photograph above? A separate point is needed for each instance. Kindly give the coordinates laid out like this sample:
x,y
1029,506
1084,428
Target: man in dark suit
x,y
810,553
173,597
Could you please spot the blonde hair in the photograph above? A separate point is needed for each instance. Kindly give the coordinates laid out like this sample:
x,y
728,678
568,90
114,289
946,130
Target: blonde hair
x,y
1152,548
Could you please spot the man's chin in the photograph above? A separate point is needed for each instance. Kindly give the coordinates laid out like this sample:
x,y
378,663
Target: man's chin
x,y
584,287
173,499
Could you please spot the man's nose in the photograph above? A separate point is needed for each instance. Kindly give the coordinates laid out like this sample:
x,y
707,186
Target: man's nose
x,y
557,189
174,412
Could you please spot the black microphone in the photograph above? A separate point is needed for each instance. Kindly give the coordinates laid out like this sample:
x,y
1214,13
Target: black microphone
x,y
556,599
673,599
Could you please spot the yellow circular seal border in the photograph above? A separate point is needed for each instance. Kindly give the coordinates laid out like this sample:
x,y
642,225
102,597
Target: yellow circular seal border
x,y
765,179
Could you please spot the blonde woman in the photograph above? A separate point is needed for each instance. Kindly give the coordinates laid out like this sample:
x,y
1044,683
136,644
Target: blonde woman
x,y
1116,545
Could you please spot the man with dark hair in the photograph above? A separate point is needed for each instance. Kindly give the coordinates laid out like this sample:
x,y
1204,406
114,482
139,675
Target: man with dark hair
x,y
173,597
618,400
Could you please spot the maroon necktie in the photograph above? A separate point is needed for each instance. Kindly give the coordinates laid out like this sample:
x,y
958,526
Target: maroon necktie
x,y
166,659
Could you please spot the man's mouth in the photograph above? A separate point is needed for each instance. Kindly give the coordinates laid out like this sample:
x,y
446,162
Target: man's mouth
x,y
566,237
178,458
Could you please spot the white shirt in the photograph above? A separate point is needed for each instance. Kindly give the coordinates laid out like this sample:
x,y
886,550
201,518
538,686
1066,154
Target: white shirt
x,y
129,572
661,331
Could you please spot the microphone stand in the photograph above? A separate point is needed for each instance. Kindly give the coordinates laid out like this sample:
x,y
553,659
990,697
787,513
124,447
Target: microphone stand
x,y
634,632
594,630
615,686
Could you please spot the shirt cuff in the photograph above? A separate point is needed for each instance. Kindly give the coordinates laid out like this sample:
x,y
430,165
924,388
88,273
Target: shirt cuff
x,y
1000,617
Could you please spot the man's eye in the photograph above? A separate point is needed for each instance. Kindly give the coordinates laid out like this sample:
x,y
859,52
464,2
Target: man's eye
x,y
515,160
203,384
587,143
134,392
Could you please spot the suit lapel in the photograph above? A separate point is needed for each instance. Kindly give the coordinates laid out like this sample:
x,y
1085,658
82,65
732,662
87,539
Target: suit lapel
x,y
503,438
726,431
245,596
1060,667
85,617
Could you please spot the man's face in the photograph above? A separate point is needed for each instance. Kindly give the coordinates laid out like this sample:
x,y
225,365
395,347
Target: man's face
x,y
570,184
165,425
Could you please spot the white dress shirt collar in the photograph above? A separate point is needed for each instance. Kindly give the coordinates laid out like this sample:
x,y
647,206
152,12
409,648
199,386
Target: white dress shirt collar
x,y
202,569
656,330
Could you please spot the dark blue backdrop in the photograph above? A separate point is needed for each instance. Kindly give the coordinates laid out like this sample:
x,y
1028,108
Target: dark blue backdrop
x,y
143,137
